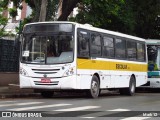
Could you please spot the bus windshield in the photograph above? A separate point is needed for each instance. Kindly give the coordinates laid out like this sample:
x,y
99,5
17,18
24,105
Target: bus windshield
x,y
43,48
153,57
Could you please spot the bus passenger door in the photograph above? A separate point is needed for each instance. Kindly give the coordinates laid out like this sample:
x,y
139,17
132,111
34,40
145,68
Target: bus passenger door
x,y
83,59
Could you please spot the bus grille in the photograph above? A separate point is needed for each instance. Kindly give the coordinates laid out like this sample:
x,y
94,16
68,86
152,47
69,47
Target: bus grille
x,y
45,71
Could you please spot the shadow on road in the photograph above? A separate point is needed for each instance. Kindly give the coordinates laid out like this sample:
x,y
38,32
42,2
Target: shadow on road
x,y
148,90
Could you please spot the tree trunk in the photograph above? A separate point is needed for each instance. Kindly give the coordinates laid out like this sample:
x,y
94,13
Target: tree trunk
x,y
42,16
67,8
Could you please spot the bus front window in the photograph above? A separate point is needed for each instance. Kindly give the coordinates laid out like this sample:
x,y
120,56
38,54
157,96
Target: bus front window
x,y
153,59
54,49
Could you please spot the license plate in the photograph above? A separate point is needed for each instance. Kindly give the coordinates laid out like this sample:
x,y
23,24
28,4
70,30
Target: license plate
x,y
45,80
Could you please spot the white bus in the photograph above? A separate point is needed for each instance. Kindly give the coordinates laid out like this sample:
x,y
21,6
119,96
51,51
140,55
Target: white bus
x,y
153,50
71,56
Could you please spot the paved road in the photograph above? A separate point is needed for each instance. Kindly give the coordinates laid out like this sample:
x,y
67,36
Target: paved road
x,y
107,106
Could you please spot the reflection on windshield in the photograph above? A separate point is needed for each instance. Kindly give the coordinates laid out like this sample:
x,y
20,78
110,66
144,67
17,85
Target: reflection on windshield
x,y
47,49
153,57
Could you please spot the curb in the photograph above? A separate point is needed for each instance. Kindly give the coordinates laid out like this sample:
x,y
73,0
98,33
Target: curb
x,y
14,91
19,95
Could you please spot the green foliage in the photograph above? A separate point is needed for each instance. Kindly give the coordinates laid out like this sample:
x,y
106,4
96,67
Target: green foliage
x,y
135,17
13,11
146,12
51,9
30,3
108,14
3,22
36,5
4,3
22,23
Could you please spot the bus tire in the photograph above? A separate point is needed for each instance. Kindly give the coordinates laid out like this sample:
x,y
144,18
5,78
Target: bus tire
x,y
132,86
47,94
131,89
93,92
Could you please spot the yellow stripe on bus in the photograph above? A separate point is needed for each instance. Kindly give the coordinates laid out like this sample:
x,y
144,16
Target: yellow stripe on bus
x,y
110,65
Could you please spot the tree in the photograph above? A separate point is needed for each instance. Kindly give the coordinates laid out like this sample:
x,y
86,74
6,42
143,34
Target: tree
x,y
51,8
36,8
3,23
67,8
158,26
146,12
3,20
107,14
40,6
42,16
135,17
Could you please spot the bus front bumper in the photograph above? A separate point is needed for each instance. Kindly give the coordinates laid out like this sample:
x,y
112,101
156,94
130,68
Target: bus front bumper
x,y
55,83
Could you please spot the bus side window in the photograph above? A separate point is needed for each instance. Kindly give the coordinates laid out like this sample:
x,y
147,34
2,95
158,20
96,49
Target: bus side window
x,y
108,47
140,52
95,45
83,44
131,50
120,49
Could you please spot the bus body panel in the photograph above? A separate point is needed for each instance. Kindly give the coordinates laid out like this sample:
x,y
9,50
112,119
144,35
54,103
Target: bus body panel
x,y
154,82
111,72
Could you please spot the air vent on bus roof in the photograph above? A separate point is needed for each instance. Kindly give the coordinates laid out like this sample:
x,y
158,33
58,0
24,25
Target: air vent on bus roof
x,y
89,25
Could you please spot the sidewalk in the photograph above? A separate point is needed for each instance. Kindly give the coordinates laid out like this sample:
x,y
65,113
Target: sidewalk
x,y
14,91
9,86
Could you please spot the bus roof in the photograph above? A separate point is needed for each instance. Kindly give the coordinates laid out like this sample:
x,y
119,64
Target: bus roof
x,y
90,27
153,42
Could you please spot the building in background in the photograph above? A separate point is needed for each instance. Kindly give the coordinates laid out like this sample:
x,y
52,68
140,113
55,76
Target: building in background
x,y
14,22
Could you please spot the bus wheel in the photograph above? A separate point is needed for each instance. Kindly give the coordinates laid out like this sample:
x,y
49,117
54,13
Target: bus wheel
x,y
93,92
131,89
47,94
132,86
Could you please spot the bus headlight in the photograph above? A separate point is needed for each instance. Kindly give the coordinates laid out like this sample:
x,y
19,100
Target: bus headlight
x,y
23,72
69,72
